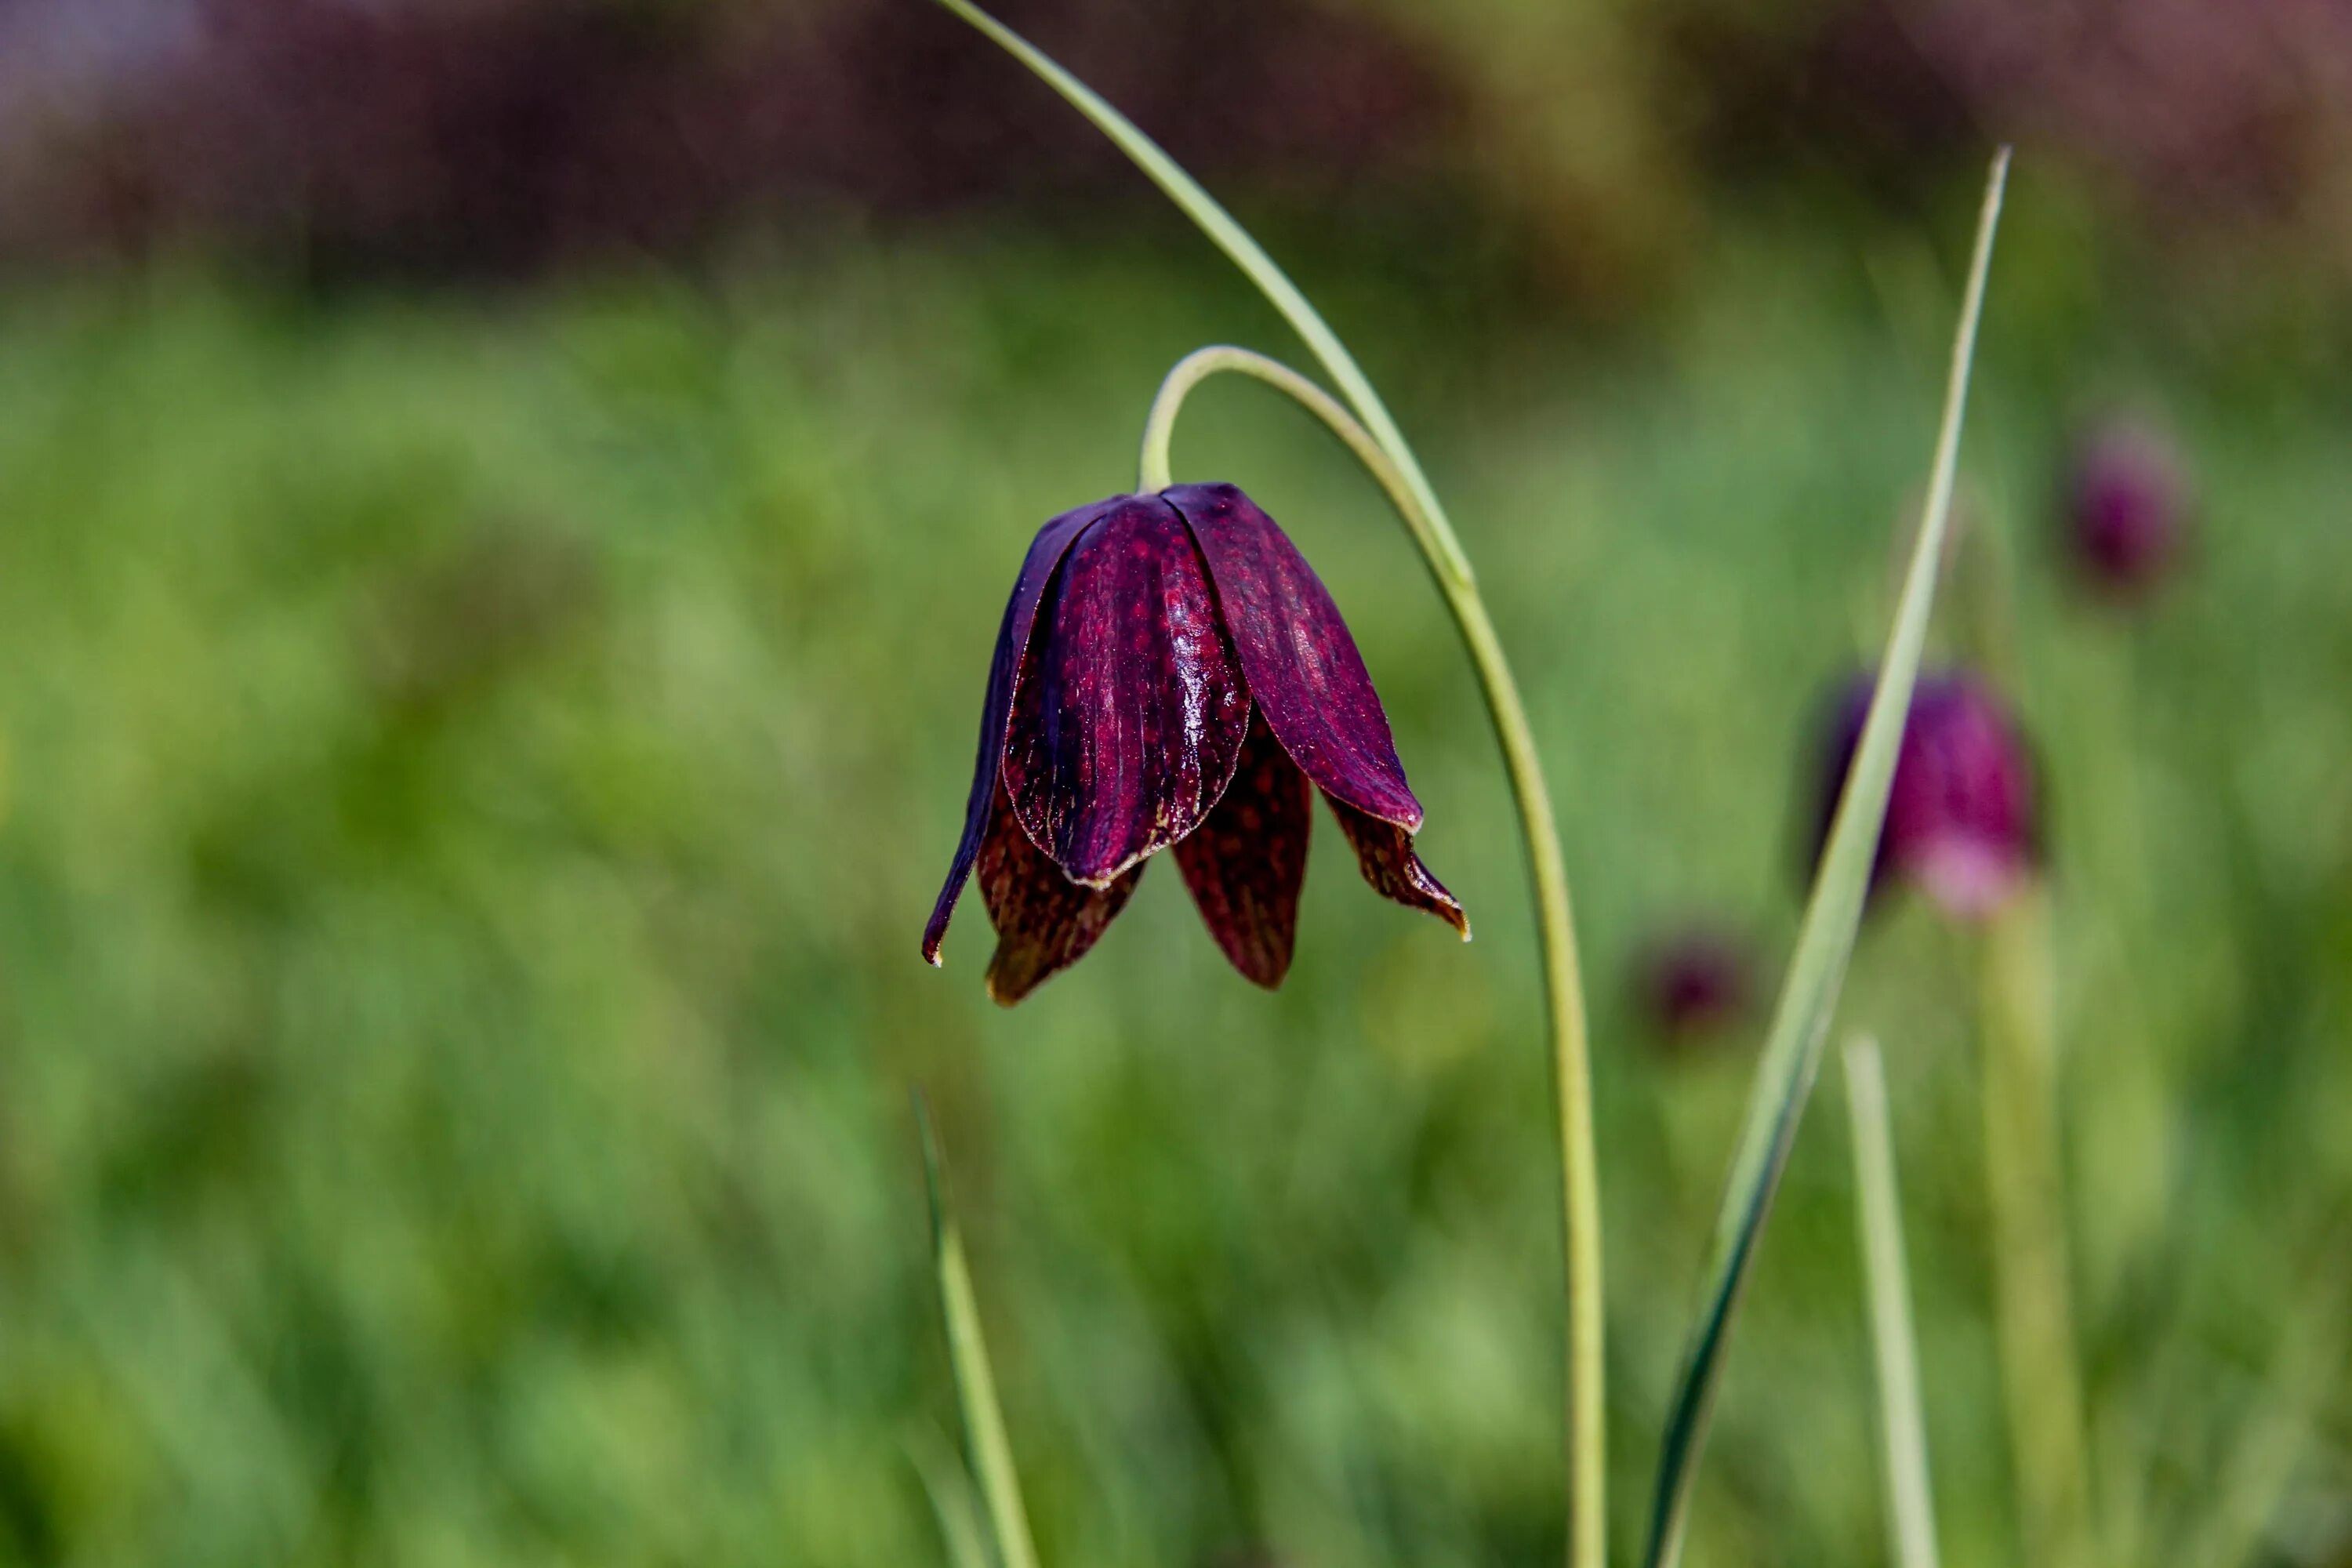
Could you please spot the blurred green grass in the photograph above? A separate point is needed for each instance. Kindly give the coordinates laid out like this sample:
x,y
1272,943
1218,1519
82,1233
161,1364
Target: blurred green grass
x,y
473,768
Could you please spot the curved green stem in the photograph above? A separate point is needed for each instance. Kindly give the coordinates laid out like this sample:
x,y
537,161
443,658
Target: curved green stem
x,y
1563,984
1372,434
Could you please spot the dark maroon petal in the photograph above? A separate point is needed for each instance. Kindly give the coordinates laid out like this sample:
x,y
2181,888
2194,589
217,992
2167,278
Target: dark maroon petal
x,y
1303,668
1246,861
1012,639
1044,923
1384,851
1960,823
1130,711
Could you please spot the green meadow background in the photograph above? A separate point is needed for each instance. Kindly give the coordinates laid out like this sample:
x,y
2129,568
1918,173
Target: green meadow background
x,y
475,760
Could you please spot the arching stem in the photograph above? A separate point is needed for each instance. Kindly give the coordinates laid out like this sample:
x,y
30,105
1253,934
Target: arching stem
x,y
1563,984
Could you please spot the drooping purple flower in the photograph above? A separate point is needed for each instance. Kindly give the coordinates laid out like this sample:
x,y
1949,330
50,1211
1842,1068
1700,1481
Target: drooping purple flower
x,y
1171,673
2126,505
1690,982
1961,819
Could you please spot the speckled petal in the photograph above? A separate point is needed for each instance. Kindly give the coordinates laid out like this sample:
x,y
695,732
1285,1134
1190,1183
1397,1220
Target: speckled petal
x,y
1303,668
1045,552
1385,853
1130,711
1246,862
1044,923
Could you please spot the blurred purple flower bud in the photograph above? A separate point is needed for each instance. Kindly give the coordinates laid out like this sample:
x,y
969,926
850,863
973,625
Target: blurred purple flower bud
x,y
1961,822
2126,505
1691,983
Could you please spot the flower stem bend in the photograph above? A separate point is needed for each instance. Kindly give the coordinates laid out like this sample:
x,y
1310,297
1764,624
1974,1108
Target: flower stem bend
x,y
1563,984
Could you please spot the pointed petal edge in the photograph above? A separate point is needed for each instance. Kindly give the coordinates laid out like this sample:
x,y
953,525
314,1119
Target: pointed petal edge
x,y
1044,922
1045,552
1384,853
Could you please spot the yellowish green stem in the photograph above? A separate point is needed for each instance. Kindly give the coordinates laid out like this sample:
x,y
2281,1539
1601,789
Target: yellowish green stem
x,y
2033,1310
1563,984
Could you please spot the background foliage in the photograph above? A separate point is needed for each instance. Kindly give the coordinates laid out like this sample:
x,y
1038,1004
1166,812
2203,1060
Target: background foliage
x,y
481,723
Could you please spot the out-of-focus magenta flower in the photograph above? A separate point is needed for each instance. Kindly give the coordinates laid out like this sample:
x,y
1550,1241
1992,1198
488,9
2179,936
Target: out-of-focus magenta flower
x,y
1691,983
2126,505
1171,672
1961,822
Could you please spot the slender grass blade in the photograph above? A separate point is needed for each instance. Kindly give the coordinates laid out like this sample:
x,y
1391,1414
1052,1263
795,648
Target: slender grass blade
x,y
952,1505
1808,992
984,1422
1910,1497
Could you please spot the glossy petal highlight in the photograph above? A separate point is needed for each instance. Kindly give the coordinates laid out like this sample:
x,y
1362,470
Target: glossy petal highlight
x,y
1046,554
1247,861
1384,852
1044,923
1130,709
1303,668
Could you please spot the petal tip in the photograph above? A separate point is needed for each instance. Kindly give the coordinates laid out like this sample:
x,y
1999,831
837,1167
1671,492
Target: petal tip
x,y
1441,903
1000,989
1385,855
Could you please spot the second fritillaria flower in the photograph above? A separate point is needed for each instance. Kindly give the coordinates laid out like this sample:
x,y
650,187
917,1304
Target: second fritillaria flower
x,y
1961,818
1171,673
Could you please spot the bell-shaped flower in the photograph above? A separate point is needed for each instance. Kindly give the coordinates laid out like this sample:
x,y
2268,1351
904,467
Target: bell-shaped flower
x,y
1172,673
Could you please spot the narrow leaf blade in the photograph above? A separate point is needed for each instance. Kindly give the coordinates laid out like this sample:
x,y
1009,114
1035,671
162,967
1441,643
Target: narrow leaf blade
x,y
1808,992
1910,1497
983,1421
952,1505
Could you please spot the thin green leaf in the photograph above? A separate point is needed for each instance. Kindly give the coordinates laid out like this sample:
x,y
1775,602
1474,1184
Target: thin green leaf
x,y
1910,1499
984,1422
1808,992
949,1488
1227,233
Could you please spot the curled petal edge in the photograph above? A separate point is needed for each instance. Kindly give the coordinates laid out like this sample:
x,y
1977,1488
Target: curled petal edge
x,y
1045,552
1384,853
